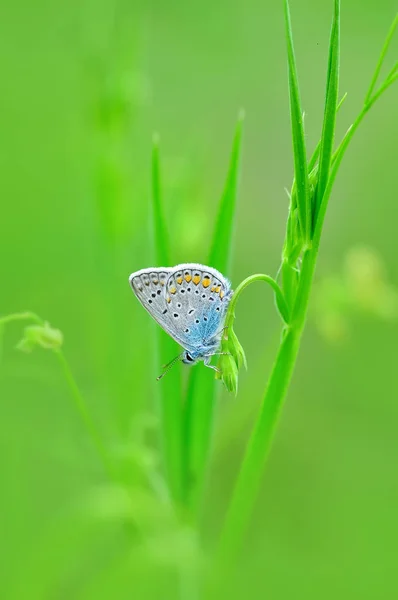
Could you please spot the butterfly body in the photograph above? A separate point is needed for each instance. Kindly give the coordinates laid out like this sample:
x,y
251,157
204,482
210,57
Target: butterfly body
x,y
189,302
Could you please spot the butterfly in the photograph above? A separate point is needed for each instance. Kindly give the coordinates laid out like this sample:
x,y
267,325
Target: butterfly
x,y
190,303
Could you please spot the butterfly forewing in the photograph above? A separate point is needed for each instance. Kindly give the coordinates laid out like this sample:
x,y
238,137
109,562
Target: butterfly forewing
x,y
149,285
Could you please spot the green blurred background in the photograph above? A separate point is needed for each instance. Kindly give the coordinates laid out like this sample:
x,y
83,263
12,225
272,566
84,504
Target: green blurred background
x,y
84,85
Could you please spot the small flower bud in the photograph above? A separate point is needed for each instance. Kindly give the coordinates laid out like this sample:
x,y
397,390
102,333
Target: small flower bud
x,y
40,335
231,359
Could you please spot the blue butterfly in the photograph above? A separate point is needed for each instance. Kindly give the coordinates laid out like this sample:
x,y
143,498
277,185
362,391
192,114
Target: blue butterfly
x,y
189,302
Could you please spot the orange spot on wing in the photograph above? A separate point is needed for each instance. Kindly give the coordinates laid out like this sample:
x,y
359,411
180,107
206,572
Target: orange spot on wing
x,y
222,294
217,289
196,279
187,278
179,280
168,299
173,290
206,282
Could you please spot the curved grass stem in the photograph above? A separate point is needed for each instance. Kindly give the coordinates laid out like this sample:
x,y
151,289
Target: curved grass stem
x,y
74,389
256,454
281,302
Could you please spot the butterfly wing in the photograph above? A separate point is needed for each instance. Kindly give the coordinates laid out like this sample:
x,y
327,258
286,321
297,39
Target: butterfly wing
x,y
149,286
198,297
188,301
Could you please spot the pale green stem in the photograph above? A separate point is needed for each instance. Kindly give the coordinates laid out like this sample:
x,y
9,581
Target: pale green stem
x,y
381,59
76,394
249,477
23,316
85,416
246,282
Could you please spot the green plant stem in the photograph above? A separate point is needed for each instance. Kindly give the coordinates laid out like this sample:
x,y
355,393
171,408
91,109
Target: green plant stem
x,y
23,316
85,416
76,394
381,59
338,156
249,477
245,283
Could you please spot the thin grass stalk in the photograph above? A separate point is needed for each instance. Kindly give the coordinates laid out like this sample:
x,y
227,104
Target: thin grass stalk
x,y
77,396
382,56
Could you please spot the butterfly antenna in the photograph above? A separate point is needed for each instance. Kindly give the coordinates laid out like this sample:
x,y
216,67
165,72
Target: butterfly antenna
x,y
169,366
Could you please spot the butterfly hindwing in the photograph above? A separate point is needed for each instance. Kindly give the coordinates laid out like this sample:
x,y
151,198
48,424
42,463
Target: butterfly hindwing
x,y
199,296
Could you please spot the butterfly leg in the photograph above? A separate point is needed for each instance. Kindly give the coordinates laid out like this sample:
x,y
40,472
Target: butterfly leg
x,y
207,363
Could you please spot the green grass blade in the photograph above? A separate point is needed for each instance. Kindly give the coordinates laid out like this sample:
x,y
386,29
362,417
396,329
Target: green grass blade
x,y
382,56
330,112
341,150
221,251
299,149
201,388
315,154
169,388
161,245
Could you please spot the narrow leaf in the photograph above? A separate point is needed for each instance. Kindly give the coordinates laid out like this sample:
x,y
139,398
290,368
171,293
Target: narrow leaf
x,y
221,247
169,390
382,56
329,118
299,149
315,155
161,246
201,388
